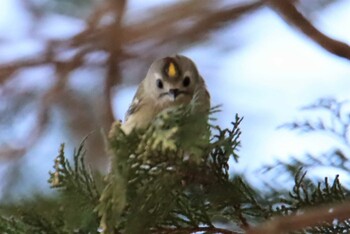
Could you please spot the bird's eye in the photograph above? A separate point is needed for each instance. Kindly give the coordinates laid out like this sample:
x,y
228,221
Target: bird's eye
x,y
159,84
186,82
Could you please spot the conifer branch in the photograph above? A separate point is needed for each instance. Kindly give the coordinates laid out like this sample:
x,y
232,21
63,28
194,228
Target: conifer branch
x,y
76,178
165,180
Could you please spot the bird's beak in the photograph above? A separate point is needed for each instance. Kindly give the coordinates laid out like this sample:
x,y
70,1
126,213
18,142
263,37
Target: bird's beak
x,y
174,93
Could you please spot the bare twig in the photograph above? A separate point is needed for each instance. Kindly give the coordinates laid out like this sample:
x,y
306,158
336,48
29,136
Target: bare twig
x,y
293,16
114,43
193,230
173,27
310,218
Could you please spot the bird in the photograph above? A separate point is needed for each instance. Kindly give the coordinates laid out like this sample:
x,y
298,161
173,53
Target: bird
x,y
169,82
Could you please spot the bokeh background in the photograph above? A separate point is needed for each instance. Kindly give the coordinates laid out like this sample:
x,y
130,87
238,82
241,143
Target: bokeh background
x,y
68,69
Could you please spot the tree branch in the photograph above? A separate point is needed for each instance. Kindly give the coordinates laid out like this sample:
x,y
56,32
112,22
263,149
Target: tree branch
x,y
114,43
193,230
309,218
293,16
173,27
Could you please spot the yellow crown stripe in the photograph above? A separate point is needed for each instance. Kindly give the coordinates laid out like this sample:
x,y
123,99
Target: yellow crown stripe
x,y
172,70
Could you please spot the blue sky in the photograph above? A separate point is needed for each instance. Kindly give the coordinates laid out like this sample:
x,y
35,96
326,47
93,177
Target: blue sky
x,y
272,72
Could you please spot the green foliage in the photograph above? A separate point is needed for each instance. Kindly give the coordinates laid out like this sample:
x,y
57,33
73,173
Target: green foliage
x,y
78,188
164,171
74,178
333,122
170,178
305,194
72,210
29,219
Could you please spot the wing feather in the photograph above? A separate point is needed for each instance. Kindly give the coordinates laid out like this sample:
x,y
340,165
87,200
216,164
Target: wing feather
x,y
136,102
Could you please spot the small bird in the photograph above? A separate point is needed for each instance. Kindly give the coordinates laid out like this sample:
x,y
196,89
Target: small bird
x,y
169,82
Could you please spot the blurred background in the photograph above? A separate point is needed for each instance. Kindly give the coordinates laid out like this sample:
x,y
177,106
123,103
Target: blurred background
x,y
69,68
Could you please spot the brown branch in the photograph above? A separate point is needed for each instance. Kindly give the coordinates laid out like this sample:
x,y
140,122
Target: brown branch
x,y
310,218
243,220
114,43
163,28
194,230
42,120
160,27
63,70
293,16
205,24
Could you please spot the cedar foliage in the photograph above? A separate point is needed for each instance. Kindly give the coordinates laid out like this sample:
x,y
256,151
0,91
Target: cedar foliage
x,y
173,178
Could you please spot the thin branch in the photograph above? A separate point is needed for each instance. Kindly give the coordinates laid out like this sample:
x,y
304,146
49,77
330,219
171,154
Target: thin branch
x,y
160,27
174,26
114,43
163,28
309,218
194,230
293,16
63,70
243,220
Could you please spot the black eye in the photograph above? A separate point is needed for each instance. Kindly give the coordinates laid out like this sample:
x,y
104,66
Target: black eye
x,y
159,83
186,82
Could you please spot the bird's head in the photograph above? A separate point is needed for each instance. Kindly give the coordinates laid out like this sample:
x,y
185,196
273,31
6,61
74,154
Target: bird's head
x,y
173,79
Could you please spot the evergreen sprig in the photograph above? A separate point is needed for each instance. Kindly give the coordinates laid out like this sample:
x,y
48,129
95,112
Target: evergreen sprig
x,y
172,177
75,178
163,172
78,189
306,194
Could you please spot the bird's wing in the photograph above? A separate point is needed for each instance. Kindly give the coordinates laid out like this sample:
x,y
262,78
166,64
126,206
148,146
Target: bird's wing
x,y
136,102
204,96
